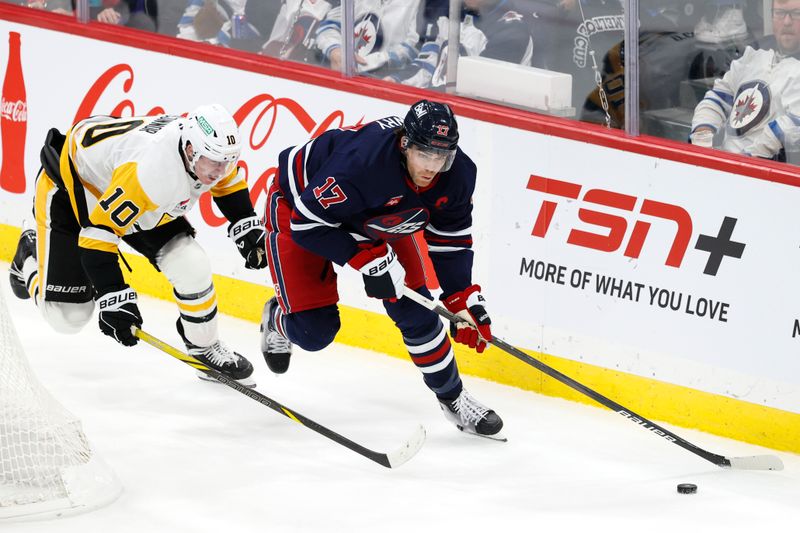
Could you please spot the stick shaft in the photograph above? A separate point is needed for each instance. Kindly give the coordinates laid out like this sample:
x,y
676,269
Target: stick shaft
x,y
654,428
380,458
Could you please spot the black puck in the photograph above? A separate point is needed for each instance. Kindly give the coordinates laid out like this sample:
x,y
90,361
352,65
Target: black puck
x,y
687,488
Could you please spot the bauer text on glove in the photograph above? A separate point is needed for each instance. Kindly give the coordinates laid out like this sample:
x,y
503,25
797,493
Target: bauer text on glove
x,y
249,236
384,276
118,314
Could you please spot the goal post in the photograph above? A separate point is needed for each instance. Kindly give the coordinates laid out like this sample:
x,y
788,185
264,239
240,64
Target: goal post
x,y
47,466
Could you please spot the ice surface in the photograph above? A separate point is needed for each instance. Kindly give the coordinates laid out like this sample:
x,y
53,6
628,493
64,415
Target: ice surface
x,y
199,457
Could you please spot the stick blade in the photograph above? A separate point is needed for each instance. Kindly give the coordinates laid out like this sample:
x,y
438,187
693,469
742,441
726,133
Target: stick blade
x,y
407,450
756,462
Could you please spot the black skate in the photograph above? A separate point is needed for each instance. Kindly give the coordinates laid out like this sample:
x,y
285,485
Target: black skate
x,y
276,348
221,358
472,417
26,247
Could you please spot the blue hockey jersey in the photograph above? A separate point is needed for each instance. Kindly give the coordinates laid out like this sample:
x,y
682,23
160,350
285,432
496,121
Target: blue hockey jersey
x,y
349,188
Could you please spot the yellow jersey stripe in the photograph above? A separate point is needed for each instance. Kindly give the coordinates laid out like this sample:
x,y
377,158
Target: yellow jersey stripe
x,y
44,189
66,172
196,308
91,188
94,244
224,190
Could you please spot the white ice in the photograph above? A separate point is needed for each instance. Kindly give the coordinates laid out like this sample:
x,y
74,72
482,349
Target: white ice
x,y
199,457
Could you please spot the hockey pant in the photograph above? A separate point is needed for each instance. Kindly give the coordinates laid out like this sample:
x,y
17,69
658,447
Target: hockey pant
x,y
306,288
63,292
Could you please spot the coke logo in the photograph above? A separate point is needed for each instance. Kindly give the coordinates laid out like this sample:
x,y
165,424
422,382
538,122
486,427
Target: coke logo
x,y
260,119
16,111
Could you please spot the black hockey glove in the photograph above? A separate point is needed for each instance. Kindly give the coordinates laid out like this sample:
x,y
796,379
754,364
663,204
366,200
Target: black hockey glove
x,y
250,238
384,276
118,314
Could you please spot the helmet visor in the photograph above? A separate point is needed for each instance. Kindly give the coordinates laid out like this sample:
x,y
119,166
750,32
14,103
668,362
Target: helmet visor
x,y
210,170
438,159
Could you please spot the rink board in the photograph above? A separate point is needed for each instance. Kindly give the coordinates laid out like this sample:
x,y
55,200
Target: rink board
x,y
665,285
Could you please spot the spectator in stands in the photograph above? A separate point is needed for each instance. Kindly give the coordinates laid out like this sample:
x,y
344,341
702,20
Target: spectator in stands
x,y
169,15
385,36
430,11
584,32
666,45
63,7
219,22
489,28
755,107
139,14
292,27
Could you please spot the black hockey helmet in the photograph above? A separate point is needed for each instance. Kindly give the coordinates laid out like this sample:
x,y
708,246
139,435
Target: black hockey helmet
x,y
432,128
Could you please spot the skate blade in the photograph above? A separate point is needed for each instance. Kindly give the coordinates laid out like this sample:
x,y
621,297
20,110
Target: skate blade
x,y
249,383
497,436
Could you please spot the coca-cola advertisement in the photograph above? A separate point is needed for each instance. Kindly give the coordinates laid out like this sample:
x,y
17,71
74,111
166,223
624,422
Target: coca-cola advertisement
x,y
93,77
13,120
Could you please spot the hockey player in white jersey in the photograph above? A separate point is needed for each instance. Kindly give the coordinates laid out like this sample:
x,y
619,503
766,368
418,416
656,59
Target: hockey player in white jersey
x,y
385,35
755,106
133,179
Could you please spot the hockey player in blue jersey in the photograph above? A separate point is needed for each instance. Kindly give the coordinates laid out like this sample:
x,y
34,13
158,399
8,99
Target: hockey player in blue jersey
x,y
356,197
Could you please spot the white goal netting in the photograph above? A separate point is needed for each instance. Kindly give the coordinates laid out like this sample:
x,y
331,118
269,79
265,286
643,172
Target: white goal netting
x,y
47,466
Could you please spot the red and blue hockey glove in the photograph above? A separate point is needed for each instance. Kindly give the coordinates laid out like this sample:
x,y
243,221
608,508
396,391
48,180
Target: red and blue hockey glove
x,y
249,236
118,314
384,276
470,305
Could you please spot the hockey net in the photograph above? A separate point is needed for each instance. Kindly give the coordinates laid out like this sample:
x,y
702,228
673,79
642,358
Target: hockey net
x,y
47,466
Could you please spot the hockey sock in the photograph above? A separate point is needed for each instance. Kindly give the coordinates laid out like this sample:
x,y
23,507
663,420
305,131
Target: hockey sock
x,y
433,355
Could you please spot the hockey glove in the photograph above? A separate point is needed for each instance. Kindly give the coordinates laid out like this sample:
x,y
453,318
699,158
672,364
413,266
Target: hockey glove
x,y
470,305
384,276
118,314
249,236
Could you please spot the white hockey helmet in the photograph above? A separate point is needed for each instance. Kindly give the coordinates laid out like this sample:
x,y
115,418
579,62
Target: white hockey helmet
x,y
214,134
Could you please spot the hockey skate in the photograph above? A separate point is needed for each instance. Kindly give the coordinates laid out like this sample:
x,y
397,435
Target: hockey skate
x,y
221,358
276,348
470,416
26,247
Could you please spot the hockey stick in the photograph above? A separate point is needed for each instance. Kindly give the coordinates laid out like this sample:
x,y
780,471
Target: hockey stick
x,y
755,462
390,460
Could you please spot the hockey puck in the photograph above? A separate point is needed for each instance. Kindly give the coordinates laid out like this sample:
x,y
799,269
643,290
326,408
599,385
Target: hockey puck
x,y
687,488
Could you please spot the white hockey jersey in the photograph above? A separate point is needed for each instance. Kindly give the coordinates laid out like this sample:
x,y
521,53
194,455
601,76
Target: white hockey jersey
x,y
385,32
125,175
756,103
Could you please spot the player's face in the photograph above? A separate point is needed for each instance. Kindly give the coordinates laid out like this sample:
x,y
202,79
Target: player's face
x,y
786,25
209,171
423,166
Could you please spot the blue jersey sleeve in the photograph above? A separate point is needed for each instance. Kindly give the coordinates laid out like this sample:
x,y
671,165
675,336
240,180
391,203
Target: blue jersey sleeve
x,y
318,214
449,233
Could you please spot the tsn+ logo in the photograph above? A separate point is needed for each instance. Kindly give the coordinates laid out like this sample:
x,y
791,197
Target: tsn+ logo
x,y
591,211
